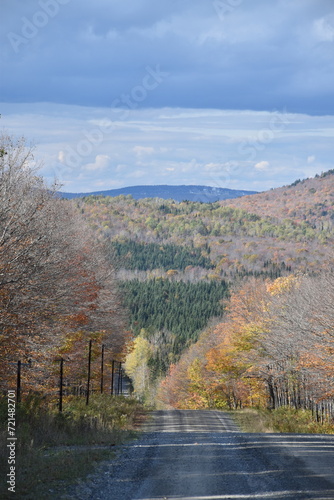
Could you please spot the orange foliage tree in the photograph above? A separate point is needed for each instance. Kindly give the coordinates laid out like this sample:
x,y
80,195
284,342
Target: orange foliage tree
x,y
275,346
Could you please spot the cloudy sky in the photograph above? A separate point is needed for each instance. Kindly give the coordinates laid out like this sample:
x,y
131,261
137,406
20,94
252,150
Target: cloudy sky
x,y
113,93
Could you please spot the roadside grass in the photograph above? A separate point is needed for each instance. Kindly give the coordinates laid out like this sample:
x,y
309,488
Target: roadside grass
x,y
54,450
43,476
282,420
286,419
252,420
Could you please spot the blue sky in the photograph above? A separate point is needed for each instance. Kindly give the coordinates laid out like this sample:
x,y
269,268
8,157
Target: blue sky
x,y
229,93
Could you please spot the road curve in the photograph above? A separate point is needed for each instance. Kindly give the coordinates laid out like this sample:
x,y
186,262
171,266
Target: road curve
x,y
201,455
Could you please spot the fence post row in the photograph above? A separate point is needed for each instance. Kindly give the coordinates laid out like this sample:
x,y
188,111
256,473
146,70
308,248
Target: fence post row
x,y
287,388
119,382
113,390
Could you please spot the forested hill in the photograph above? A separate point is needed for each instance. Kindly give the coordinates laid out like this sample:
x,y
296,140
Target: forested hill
x,y
282,230
204,194
310,200
176,260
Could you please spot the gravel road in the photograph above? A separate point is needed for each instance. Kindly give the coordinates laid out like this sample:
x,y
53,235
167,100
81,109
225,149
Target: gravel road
x,y
201,455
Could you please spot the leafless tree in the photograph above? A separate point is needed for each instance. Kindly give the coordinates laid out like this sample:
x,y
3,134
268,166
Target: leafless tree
x,y
54,276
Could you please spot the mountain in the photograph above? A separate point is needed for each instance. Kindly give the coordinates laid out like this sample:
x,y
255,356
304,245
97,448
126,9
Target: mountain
x,y
204,194
285,229
309,200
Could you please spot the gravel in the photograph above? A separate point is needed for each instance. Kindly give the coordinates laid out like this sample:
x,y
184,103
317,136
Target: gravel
x,y
201,455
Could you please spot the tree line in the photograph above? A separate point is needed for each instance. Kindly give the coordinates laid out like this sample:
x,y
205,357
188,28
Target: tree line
x,y
274,347
132,254
230,239
181,308
57,288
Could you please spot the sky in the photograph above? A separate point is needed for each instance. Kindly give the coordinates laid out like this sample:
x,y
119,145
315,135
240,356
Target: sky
x,y
225,93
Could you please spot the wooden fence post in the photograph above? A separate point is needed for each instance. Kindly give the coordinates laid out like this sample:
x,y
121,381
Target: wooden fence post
x,y
102,368
61,384
119,382
18,382
112,377
89,367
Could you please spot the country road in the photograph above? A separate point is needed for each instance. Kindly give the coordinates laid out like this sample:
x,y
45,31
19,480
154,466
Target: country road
x,y
201,455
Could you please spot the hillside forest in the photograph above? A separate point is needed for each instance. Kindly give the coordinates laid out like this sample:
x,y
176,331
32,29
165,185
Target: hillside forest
x,y
210,305
261,328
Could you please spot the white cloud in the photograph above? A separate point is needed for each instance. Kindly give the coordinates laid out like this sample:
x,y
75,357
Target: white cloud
x,y
324,28
171,149
262,165
101,163
143,150
61,157
190,167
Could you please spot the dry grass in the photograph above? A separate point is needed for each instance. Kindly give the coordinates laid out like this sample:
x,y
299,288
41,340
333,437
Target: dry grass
x,y
251,420
282,420
54,450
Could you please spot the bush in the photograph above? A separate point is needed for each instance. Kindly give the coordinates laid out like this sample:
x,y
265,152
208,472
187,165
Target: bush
x,y
286,419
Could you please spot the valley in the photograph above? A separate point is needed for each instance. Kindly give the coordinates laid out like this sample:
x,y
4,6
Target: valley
x,y
180,264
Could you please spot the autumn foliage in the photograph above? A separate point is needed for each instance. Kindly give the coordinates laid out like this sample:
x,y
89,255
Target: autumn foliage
x,y
274,347
57,289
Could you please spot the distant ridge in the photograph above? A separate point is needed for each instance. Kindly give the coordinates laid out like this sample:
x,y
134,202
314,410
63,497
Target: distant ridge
x,y
204,194
310,200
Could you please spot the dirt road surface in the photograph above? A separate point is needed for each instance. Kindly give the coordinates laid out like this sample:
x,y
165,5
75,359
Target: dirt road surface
x,y
201,455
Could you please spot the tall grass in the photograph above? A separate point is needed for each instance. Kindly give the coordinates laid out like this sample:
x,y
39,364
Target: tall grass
x,y
284,419
54,448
